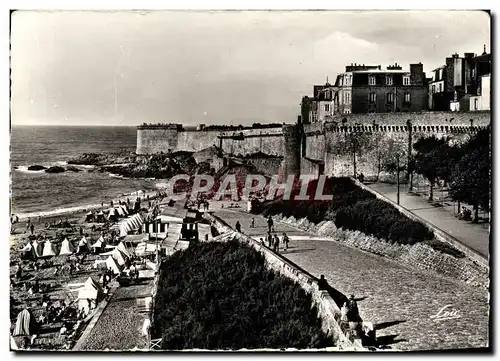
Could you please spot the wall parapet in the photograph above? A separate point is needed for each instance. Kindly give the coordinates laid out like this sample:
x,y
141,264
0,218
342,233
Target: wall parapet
x,y
160,126
328,310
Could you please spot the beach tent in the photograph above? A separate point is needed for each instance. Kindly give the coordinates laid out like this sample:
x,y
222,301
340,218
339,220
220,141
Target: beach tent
x,y
67,248
112,214
99,244
38,248
13,344
125,209
89,295
100,216
112,265
119,257
28,251
121,246
83,245
49,249
130,224
120,211
26,324
89,217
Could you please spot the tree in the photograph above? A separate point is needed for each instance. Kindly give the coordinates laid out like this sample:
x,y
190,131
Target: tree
x,y
428,159
471,177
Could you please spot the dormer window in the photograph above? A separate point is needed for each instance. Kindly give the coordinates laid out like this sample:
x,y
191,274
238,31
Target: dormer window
x,y
388,79
371,80
406,80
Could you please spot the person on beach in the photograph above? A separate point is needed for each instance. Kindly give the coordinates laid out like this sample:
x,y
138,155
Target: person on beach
x,y
270,224
32,227
269,240
276,245
322,283
286,240
238,226
28,223
252,225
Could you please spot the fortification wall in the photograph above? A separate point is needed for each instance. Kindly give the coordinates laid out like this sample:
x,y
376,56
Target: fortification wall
x,y
249,141
152,140
479,118
270,166
194,141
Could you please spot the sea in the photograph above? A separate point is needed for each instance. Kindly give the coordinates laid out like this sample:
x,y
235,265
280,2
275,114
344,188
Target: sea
x,y
36,193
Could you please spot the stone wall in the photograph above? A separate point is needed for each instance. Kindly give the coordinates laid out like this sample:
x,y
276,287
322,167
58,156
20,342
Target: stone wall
x,y
311,167
328,310
152,140
268,166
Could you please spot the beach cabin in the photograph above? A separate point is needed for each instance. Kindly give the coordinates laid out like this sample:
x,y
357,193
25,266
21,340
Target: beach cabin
x,y
131,224
189,231
89,295
100,217
89,217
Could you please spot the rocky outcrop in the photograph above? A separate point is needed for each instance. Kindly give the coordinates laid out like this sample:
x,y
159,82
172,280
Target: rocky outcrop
x,y
55,169
74,169
101,159
36,167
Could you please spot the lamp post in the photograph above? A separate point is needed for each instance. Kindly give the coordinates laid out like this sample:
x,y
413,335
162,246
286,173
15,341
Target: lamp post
x,y
397,175
408,175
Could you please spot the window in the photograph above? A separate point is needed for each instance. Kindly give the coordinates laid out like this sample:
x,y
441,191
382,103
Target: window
x,y
348,79
327,107
406,80
407,98
388,79
440,87
371,80
372,97
433,89
440,74
390,98
347,97
475,104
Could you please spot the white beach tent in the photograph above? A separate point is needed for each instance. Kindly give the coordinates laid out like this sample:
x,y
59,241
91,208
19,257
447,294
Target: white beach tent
x,y
121,246
99,243
130,224
119,257
83,245
89,294
112,265
28,250
49,249
67,248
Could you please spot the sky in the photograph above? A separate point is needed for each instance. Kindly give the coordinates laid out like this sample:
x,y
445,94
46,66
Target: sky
x,y
226,67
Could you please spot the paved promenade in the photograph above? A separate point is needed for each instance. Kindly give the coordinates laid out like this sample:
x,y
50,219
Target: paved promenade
x,y
476,236
398,299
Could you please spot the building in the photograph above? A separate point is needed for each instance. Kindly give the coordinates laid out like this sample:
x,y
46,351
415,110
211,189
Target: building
x,y
370,89
457,85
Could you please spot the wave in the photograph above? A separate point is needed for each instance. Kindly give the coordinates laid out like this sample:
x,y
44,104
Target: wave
x,y
24,168
83,208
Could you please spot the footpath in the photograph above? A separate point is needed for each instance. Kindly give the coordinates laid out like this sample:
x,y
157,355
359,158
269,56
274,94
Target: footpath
x,y
398,299
475,236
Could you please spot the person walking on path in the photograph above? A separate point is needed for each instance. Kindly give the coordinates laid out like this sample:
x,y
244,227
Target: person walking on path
x,y
238,226
269,240
270,224
276,243
286,240
32,227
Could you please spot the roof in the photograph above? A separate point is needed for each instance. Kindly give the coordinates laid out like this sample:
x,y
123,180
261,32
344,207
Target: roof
x,y
174,212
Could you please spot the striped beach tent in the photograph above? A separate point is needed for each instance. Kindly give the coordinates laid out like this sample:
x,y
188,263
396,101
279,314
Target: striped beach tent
x,y
120,211
28,251
49,249
67,248
38,248
26,324
125,209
